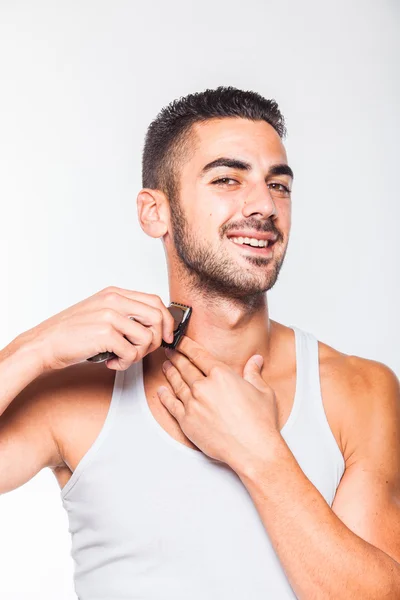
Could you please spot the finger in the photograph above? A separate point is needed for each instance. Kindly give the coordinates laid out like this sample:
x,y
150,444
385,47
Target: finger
x,y
198,355
171,403
137,334
187,370
179,386
252,373
126,353
143,303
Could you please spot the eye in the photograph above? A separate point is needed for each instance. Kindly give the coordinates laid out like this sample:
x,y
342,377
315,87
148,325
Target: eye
x,y
223,181
283,189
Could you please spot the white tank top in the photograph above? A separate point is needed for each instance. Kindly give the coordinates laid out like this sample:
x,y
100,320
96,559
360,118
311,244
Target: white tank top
x,y
152,519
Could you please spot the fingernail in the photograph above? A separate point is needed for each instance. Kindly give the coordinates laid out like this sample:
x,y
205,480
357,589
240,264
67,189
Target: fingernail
x,y
258,359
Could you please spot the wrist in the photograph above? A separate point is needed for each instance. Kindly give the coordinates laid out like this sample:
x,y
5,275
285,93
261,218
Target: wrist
x,y
20,364
254,464
27,350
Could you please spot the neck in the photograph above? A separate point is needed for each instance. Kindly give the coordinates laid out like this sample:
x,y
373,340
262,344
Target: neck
x,y
232,331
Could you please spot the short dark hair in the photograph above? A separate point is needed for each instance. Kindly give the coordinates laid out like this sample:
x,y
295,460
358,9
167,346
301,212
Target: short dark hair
x,y
168,138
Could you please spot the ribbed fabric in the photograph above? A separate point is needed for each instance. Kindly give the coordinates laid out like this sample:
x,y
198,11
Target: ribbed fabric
x,y
152,519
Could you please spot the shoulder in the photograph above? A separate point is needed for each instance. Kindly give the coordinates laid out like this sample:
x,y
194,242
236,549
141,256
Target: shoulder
x,y
365,395
359,375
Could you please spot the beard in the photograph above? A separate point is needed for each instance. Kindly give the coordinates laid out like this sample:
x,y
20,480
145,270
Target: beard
x,y
215,271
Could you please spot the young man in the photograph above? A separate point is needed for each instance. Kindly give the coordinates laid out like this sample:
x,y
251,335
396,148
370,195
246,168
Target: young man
x,y
220,476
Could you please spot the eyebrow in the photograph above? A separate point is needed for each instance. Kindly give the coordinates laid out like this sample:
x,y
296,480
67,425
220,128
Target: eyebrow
x,y
234,163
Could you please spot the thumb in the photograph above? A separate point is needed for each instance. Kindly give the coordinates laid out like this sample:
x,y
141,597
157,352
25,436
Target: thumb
x,y
252,371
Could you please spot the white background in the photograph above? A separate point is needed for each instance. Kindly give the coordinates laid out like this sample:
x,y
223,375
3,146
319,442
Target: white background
x,y
80,83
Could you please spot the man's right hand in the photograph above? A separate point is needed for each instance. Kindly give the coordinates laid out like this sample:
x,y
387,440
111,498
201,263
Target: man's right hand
x,y
99,324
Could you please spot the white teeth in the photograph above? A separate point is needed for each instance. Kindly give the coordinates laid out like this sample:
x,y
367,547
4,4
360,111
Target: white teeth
x,y
252,241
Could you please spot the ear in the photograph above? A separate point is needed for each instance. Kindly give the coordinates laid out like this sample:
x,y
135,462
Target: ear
x,y
153,212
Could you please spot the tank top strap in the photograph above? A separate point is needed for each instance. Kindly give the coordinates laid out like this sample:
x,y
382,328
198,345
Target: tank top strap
x,y
310,388
307,363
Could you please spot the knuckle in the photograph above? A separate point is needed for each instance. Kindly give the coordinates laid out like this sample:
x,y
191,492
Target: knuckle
x,y
197,355
111,297
216,371
107,314
106,330
133,353
193,408
175,405
148,336
158,317
189,411
157,299
196,388
181,388
109,288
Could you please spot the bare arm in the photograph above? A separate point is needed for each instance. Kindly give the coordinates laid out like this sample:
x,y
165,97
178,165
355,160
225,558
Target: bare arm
x,y
27,444
20,363
46,365
353,549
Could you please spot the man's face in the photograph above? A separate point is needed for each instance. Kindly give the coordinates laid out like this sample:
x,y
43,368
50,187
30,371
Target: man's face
x,y
221,201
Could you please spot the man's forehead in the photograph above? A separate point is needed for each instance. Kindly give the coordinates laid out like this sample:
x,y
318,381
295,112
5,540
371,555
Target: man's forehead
x,y
251,140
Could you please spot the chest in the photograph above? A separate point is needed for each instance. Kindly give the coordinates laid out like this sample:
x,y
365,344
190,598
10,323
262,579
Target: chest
x,y
284,390
82,424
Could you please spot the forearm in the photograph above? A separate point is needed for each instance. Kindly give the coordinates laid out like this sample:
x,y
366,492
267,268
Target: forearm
x,y
20,363
321,556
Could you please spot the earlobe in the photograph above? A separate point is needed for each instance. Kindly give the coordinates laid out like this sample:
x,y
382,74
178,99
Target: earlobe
x,y
152,207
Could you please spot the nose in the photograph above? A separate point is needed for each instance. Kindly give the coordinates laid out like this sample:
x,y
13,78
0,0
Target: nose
x,y
260,202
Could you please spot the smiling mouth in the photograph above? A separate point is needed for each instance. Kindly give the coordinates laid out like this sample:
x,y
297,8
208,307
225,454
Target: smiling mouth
x,y
261,247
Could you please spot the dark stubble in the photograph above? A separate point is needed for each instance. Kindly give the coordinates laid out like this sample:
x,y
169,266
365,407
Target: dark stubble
x,y
215,272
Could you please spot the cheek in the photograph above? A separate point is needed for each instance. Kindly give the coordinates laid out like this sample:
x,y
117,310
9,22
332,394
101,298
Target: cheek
x,y
211,215
285,214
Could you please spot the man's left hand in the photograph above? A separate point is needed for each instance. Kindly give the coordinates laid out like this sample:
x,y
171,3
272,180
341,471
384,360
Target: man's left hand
x,y
228,417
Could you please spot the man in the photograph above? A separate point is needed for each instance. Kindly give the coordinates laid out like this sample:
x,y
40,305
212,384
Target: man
x,y
257,462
